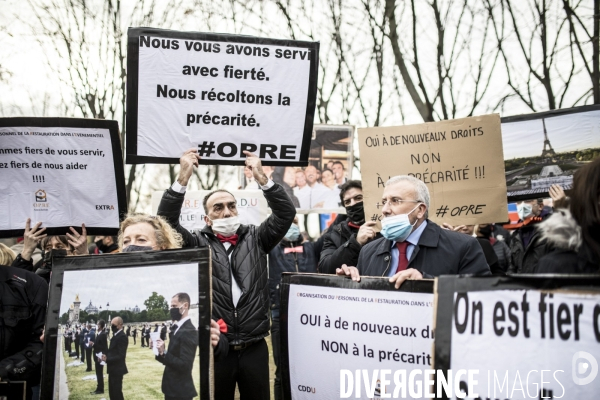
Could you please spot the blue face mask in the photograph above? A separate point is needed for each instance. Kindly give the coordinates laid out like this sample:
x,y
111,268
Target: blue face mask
x,y
293,233
397,227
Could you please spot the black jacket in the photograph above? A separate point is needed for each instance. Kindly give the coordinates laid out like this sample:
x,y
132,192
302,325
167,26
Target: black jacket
x,y
340,247
439,252
249,321
280,262
179,358
100,345
571,254
23,297
525,259
115,357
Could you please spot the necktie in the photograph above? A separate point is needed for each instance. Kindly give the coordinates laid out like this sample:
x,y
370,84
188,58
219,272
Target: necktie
x,y
172,332
298,249
402,259
231,239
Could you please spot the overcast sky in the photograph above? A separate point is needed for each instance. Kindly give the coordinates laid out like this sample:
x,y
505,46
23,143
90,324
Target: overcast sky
x,y
128,287
565,133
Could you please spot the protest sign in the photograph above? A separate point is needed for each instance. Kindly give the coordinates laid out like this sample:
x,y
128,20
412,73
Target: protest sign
x,y
459,160
61,172
335,332
315,188
127,280
221,94
547,148
251,205
526,337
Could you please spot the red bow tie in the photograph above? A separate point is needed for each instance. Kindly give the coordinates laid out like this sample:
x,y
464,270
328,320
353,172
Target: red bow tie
x,y
222,326
231,239
298,249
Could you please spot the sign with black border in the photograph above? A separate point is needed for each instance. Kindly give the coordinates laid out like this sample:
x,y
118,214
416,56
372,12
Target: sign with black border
x,y
58,171
493,333
221,94
418,288
131,265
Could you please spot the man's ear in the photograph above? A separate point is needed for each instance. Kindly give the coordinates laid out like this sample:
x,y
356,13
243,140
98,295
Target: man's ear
x,y
422,211
207,220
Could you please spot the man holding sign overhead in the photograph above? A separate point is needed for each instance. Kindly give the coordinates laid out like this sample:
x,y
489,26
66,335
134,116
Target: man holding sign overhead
x,y
239,270
412,246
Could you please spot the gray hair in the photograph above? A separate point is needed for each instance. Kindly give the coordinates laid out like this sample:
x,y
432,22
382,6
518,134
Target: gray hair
x,y
421,190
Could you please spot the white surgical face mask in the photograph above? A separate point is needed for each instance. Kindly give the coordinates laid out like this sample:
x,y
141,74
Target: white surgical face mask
x,y
524,210
226,226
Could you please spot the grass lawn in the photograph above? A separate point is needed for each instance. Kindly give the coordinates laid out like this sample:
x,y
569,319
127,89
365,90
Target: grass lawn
x,y
142,382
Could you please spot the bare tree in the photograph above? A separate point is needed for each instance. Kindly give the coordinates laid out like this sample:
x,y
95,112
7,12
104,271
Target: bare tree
x,y
547,47
85,47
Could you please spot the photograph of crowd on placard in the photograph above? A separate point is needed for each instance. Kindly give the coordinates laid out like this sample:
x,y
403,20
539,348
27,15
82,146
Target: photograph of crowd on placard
x,y
546,149
317,186
115,331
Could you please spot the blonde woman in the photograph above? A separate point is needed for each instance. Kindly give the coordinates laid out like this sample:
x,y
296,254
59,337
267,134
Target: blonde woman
x,y
143,232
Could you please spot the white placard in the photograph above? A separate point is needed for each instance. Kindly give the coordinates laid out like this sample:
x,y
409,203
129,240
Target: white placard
x,y
251,206
512,337
59,176
221,94
369,330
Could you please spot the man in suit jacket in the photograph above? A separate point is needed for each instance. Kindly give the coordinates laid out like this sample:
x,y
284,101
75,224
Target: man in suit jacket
x,y
115,359
90,337
81,342
100,345
412,246
177,382
76,340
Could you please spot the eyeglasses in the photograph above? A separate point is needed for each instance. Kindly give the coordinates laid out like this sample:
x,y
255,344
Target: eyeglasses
x,y
396,202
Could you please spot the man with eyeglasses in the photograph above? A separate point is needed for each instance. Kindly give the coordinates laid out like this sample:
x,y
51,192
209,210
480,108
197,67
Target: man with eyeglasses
x,y
343,242
412,246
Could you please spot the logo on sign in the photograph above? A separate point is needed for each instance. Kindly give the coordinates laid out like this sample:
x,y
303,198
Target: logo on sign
x,y
105,207
584,368
307,389
40,196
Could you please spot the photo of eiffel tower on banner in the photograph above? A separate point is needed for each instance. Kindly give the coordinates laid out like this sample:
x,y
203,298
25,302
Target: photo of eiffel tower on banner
x,y
567,139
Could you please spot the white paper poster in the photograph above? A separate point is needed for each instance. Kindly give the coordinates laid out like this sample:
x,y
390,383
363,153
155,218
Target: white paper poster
x,y
528,344
251,205
331,330
221,94
60,176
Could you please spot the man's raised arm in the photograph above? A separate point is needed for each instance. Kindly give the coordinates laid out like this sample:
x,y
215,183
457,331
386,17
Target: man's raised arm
x,y
274,228
172,199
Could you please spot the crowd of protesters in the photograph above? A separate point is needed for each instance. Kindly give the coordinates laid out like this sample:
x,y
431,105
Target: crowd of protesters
x,y
563,238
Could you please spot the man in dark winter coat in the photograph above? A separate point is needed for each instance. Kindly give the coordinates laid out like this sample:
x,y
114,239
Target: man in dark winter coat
x,y
413,247
239,273
293,254
343,241
527,245
23,297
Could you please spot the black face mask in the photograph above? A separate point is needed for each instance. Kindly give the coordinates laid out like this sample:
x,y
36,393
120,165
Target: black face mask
x,y
47,257
114,328
133,247
101,246
486,231
356,213
175,314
